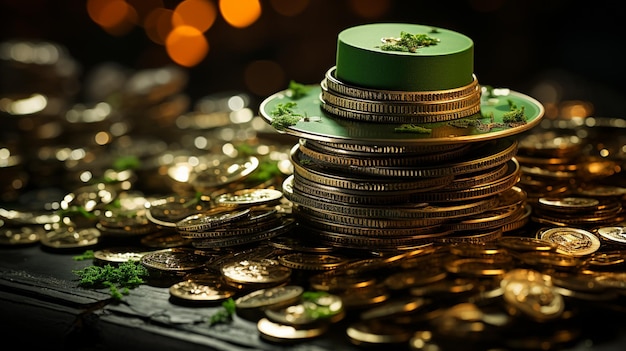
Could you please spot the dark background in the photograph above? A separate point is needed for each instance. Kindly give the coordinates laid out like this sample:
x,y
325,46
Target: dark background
x,y
573,45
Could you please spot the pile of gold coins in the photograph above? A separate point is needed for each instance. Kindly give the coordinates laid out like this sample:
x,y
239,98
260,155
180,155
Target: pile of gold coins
x,y
506,243
355,199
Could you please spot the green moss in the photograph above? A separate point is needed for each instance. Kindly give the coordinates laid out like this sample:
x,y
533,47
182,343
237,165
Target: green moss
x,y
408,42
119,279
283,115
412,128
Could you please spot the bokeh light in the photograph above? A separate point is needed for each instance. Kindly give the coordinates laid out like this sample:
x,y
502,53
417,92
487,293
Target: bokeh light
x,y
240,13
116,17
199,14
158,24
187,46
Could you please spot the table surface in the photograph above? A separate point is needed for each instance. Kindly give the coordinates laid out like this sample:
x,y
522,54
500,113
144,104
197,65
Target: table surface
x,y
42,305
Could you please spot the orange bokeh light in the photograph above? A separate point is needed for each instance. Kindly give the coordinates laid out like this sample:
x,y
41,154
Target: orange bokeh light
x,y
240,13
186,45
199,14
158,25
116,17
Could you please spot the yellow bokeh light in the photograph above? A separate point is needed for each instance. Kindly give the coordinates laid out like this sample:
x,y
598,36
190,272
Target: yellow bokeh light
x,y
240,13
199,14
186,46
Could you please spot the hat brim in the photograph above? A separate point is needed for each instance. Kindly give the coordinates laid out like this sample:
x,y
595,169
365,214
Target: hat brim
x,y
322,126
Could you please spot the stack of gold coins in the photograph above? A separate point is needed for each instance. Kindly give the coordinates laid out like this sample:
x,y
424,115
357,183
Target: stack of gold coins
x,y
381,170
357,197
372,105
235,219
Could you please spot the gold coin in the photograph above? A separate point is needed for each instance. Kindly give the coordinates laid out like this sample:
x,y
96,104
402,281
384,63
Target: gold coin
x,y
277,332
312,261
322,308
174,260
573,241
256,271
202,290
210,219
377,333
532,293
275,296
613,234
478,267
249,197
119,254
523,243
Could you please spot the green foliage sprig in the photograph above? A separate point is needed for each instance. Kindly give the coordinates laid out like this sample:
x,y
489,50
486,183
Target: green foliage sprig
x,y
298,90
283,115
514,116
119,279
87,255
225,313
408,42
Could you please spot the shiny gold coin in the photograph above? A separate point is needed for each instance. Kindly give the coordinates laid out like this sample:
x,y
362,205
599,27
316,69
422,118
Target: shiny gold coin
x,y
174,260
573,241
377,333
612,234
568,204
312,261
320,308
523,243
532,293
478,267
202,289
256,271
250,197
211,218
119,254
280,333
270,297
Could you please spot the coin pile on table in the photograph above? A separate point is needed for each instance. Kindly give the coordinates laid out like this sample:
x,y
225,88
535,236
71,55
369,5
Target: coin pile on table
x,y
363,181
